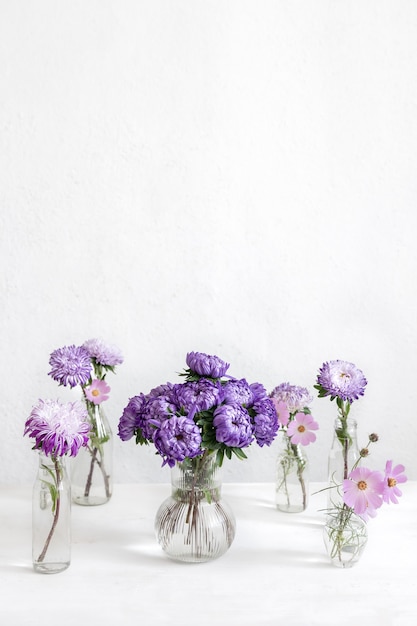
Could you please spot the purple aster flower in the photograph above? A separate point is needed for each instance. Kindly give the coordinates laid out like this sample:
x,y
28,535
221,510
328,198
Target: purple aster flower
x,y
233,425
237,392
363,490
265,422
197,396
300,429
129,421
341,379
177,438
206,365
296,398
58,428
71,365
104,354
258,392
393,476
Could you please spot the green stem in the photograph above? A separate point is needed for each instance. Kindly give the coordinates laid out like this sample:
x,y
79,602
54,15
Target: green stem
x,y
56,512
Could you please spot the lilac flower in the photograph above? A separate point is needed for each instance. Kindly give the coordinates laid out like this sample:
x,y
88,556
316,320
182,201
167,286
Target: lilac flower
x,y
97,392
144,414
393,476
363,490
341,379
177,438
71,365
233,425
58,428
104,354
237,391
300,429
265,422
206,365
296,398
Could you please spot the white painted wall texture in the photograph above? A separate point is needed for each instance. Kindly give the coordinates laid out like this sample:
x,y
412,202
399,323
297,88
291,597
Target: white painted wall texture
x,y
236,177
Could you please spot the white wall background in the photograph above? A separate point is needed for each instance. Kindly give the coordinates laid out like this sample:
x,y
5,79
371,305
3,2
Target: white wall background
x,y
235,177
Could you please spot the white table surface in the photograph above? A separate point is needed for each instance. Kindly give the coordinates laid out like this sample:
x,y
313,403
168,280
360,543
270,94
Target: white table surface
x,y
276,571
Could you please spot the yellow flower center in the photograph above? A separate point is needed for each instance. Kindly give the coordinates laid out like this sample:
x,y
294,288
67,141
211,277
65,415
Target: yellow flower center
x,y
301,428
95,392
391,482
362,485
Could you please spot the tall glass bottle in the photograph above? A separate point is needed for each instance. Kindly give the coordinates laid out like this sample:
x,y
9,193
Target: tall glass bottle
x,y
92,468
51,516
343,455
292,476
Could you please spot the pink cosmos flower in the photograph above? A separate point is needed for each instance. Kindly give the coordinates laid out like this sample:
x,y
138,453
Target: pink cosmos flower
x,y
300,429
282,411
393,476
363,490
97,392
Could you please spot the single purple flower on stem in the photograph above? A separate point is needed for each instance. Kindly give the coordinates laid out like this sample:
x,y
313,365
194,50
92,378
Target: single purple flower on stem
x,y
103,353
341,379
58,428
97,392
206,365
300,429
363,490
233,425
176,439
71,365
393,476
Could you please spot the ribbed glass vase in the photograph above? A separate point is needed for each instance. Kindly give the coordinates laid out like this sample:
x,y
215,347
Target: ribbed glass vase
x,y
194,524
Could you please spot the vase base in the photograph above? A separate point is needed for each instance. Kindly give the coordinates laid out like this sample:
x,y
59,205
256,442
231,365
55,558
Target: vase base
x,y
50,568
90,500
290,508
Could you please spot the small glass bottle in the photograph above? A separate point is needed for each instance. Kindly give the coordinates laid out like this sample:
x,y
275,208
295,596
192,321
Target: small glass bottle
x,y
292,476
51,516
92,468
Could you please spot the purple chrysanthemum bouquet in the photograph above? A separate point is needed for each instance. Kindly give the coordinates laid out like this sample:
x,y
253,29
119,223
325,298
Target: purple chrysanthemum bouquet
x,y
298,427
210,413
86,366
57,430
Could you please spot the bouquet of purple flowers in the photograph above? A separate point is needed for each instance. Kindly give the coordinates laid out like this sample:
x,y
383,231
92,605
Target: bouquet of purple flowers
x,y
208,413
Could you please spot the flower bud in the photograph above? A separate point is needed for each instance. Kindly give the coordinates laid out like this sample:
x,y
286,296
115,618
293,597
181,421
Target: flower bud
x,y
373,437
364,452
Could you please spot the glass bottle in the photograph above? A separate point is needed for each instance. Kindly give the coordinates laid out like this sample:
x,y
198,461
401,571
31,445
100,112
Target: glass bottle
x,y
292,476
51,516
194,524
91,469
345,536
343,455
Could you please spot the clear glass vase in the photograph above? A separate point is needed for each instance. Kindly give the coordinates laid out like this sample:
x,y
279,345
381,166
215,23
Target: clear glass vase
x,y
91,469
51,516
343,455
292,476
345,537
194,524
